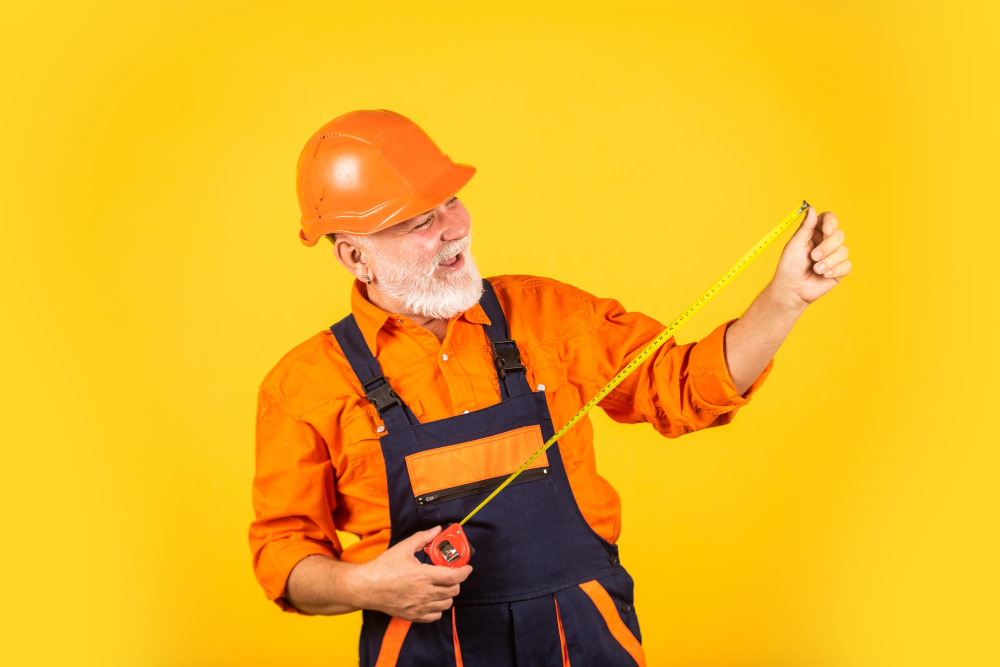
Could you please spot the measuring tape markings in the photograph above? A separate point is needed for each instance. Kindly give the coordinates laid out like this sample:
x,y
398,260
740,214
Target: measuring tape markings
x,y
657,342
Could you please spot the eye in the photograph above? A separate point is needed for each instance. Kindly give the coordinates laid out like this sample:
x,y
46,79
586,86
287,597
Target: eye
x,y
452,201
422,224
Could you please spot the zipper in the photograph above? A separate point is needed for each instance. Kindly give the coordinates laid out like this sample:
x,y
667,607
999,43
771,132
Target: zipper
x,y
479,487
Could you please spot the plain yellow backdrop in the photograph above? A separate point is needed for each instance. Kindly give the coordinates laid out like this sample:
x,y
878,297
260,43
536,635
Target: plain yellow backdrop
x,y
152,276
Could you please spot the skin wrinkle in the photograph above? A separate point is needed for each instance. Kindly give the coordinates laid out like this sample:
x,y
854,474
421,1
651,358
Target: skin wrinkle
x,y
402,272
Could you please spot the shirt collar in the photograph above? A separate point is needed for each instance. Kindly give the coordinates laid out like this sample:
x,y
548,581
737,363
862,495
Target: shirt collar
x,y
371,318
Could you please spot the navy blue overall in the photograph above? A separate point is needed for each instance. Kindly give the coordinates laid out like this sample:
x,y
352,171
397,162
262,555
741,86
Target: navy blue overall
x,y
545,587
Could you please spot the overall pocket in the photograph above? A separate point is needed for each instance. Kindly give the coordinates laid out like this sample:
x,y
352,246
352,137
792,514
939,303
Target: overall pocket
x,y
464,471
483,486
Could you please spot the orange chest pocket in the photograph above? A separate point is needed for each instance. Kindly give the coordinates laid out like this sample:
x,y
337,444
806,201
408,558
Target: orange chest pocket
x,y
362,466
564,400
361,472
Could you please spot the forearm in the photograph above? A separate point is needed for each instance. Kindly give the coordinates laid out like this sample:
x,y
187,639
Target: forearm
x,y
325,586
752,340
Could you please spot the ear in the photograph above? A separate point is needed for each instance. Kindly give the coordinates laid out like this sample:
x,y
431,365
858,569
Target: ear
x,y
351,257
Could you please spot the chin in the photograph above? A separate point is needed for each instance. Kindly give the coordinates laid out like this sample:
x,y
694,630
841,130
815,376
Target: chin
x,y
450,295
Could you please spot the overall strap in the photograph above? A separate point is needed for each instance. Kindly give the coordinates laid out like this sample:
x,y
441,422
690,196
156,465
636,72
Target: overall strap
x,y
506,355
390,407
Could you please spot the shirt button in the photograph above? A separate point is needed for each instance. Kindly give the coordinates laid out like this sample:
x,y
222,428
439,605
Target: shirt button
x,y
613,560
626,607
400,321
445,357
541,387
380,429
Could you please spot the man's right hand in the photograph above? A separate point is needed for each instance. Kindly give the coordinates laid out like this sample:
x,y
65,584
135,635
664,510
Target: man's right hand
x,y
399,585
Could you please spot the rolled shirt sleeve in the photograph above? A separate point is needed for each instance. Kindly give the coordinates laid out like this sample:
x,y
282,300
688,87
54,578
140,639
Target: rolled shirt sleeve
x,y
680,388
293,498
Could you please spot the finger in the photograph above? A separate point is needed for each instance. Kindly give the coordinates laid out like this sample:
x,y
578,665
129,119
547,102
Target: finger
x,y
830,244
418,541
428,618
827,223
839,271
831,261
445,592
805,230
446,576
439,605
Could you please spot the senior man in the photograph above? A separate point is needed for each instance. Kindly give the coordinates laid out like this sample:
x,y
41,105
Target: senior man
x,y
398,420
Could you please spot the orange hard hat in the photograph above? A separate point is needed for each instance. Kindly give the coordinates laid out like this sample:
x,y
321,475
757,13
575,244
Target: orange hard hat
x,y
367,170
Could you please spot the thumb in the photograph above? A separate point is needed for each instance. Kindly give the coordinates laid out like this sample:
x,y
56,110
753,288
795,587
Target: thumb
x,y
418,541
808,225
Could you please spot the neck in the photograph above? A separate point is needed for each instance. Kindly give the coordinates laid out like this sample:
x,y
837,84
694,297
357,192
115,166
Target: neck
x,y
437,326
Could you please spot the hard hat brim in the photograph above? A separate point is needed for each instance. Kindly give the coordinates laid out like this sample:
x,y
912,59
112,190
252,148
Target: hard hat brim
x,y
369,222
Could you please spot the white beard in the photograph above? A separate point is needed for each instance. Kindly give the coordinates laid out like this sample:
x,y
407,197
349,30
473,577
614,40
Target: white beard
x,y
425,290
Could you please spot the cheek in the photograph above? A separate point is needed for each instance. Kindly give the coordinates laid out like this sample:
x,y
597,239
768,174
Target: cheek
x,y
418,251
425,253
426,247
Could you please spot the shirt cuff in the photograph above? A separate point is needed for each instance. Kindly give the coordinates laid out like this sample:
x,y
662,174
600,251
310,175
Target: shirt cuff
x,y
279,559
713,390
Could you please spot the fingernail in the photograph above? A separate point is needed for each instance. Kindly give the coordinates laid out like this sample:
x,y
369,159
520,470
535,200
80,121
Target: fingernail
x,y
817,254
820,267
828,274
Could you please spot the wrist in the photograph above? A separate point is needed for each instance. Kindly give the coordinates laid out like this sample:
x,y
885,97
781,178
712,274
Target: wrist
x,y
354,580
785,299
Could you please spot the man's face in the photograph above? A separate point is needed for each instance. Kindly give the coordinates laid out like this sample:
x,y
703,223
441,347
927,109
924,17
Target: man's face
x,y
425,262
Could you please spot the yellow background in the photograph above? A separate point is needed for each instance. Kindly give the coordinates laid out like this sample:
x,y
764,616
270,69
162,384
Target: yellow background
x,y
152,276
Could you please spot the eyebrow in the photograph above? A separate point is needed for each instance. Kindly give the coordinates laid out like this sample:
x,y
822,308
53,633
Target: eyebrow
x,y
425,213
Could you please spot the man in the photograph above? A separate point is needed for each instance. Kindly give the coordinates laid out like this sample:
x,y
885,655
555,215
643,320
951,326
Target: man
x,y
401,418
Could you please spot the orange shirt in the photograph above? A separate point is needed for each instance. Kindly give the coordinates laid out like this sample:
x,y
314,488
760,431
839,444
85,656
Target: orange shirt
x,y
319,467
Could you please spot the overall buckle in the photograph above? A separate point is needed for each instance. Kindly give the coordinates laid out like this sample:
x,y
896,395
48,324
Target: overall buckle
x,y
507,360
382,396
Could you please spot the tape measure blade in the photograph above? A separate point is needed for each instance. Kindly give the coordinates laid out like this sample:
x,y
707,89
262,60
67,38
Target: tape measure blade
x,y
664,336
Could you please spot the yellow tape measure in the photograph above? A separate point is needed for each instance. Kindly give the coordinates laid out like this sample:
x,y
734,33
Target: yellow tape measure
x,y
660,340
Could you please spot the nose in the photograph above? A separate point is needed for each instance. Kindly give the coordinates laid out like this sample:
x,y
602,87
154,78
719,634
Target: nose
x,y
455,223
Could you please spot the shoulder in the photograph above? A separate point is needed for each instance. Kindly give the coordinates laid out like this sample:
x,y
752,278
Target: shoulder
x,y
545,306
309,375
527,287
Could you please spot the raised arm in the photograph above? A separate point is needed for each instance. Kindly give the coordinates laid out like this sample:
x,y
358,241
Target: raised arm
x,y
752,340
812,263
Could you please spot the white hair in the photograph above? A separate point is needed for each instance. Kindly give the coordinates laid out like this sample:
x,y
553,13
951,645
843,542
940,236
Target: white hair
x,y
363,242
412,282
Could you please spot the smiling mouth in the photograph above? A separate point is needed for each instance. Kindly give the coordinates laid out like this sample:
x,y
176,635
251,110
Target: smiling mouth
x,y
449,262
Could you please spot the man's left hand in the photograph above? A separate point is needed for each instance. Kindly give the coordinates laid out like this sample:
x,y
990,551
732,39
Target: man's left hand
x,y
814,260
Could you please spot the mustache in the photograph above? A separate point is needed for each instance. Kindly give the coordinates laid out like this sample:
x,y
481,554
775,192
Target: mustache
x,y
453,248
